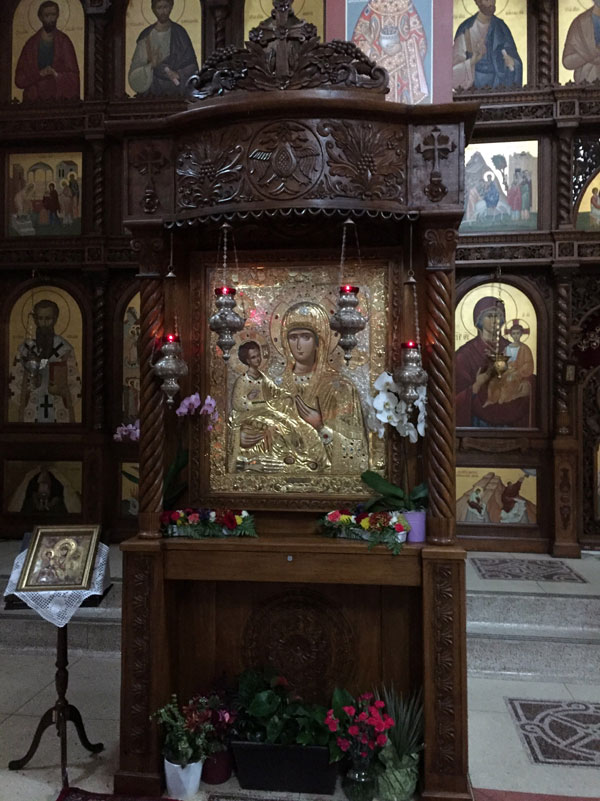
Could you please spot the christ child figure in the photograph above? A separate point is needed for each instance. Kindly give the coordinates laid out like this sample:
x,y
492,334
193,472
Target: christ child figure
x,y
514,383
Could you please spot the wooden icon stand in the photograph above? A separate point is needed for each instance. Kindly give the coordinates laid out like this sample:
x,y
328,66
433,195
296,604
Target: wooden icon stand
x,y
60,714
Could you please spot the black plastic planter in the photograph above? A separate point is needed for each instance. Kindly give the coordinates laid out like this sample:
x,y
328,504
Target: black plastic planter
x,y
293,768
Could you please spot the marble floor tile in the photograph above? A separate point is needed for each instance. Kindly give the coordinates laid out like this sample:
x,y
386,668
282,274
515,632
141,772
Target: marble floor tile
x,y
23,676
488,695
583,692
94,685
498,760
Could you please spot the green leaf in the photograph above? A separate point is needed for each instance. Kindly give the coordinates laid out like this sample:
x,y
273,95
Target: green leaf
x,y
382,485
264,704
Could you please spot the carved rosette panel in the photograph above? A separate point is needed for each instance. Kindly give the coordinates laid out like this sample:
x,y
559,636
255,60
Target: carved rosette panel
x,y
495,253
565,163
440,244
285,160
138,601
445,747
304,635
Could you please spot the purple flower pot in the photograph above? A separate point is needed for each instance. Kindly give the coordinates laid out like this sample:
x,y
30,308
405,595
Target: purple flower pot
x,y
416,521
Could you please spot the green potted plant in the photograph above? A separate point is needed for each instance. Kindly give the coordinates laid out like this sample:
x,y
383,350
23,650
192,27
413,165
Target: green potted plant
x,y
186,744
280,742
399,758
412,504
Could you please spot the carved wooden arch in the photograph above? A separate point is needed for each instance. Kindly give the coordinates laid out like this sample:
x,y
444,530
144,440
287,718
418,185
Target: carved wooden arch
x,y
85,309
577,200
543,319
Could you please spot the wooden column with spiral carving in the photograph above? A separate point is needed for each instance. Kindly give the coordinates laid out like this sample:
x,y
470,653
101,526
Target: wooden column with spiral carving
x,y
440,246
565,172
545,47
566,459
148,244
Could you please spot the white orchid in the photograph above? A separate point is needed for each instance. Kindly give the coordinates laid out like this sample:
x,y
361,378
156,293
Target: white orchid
x,y
385,382
385,404
387,407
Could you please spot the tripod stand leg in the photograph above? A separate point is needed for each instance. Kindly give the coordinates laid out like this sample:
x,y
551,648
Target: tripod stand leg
x,y
74,716
45,723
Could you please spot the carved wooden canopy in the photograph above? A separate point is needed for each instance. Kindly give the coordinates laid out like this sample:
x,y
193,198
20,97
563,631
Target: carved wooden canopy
x,y
288,125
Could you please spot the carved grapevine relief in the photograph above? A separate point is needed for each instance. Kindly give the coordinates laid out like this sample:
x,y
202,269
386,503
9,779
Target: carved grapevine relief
x,y
365,160
210,170
285,160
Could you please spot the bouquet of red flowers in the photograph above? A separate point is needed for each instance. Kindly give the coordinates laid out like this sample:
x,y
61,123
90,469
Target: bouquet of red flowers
x,y
360,728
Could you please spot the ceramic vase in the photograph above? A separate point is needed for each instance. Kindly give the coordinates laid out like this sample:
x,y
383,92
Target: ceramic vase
x,y
217,767
182,783
359,785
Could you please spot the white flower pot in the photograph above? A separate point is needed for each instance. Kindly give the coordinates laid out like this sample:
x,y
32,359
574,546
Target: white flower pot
x,y
183,783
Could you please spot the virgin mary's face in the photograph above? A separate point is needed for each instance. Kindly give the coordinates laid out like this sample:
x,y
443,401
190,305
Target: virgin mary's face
x,y
303,344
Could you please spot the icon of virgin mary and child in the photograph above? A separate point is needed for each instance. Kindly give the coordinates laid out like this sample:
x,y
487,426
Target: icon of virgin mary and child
x,y
310,422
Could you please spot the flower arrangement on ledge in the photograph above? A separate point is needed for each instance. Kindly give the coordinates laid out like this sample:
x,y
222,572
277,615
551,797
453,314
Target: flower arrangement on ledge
x,y
387,528
201,523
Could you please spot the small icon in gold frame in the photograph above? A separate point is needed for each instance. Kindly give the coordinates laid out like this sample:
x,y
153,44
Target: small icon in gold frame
x,y
60,558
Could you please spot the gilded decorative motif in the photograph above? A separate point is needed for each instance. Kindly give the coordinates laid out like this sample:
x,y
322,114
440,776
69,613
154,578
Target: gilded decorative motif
x,y
295,417
306,637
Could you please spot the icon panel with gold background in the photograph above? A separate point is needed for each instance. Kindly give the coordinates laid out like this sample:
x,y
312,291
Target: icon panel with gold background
x,y
45,356
496,341
293,417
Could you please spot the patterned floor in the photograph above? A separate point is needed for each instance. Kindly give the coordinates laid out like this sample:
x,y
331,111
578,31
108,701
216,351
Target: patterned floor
x,y
513,569
559,732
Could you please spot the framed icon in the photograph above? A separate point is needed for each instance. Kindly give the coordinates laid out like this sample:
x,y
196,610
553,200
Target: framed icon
x,y
59,558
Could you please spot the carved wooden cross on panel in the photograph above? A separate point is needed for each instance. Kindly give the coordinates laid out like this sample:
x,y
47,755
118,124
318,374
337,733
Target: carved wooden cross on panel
x,y
434,147
150,162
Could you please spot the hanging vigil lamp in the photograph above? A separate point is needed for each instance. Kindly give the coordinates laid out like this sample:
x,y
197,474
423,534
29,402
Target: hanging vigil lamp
x,y
347,319
410,376
225,322
170,366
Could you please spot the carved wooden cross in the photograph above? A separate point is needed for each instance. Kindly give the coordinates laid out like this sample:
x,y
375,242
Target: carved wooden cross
x,y
436,146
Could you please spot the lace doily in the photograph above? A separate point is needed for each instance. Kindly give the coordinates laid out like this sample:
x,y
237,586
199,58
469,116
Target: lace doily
x,y
59,606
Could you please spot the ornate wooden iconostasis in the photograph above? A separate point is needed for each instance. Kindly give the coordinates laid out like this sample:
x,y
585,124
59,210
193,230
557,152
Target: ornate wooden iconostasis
x,y
284,140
